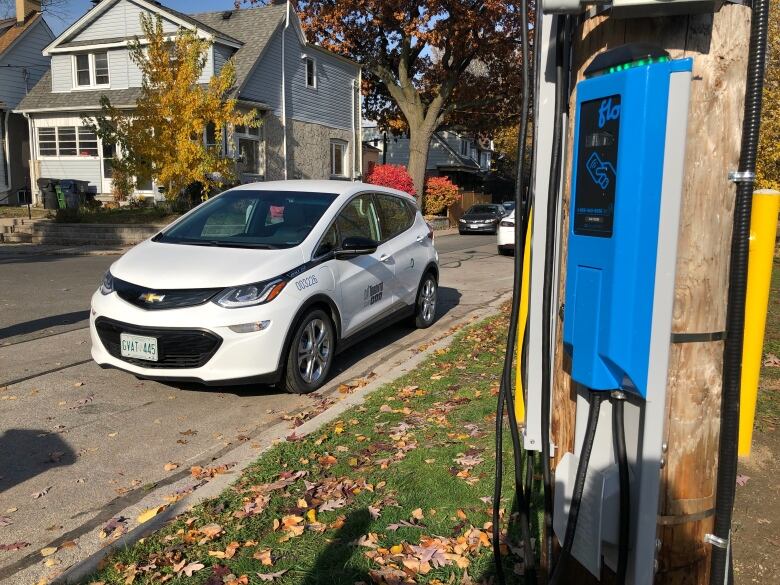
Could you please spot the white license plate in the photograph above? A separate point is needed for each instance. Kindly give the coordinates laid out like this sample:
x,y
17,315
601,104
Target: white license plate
x,y
138,347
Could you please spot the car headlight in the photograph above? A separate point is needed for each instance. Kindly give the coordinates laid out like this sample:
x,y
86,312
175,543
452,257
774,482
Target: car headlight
x,y
507,223
249,295
107,286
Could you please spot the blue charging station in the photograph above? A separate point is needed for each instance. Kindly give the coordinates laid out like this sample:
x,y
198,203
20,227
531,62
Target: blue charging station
x,y
617,182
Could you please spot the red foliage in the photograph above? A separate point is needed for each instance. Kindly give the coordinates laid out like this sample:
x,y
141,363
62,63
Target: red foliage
x,y
394,176
440,193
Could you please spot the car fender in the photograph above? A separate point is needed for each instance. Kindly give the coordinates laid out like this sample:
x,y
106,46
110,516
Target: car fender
x,y
318,299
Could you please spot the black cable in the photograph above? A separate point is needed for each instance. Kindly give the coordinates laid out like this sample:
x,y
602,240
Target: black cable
x,y
594,407
552,206
506,394
619,436
735,316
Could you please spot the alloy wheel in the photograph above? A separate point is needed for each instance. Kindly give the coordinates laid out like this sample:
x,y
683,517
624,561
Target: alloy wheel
x,y
314,345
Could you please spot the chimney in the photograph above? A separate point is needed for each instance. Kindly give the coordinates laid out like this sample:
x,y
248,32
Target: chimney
x,y
24,8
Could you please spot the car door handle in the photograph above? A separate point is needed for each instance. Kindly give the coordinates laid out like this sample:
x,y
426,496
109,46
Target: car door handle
x,y
385,258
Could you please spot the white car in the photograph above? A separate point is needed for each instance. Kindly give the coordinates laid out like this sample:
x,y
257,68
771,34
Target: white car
x,y
266,283
505,235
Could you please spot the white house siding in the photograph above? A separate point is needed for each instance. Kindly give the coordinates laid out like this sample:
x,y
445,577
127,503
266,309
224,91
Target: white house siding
x,y
25,53
62,73
121,20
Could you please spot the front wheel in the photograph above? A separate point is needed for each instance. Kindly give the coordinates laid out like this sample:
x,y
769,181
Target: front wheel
x,y
425,307
311,353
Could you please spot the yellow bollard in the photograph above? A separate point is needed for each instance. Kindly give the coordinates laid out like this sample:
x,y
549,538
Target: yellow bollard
x,y
521,323
763,230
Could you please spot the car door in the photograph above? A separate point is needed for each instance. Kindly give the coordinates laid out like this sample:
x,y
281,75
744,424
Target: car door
x,y
367,282
406,240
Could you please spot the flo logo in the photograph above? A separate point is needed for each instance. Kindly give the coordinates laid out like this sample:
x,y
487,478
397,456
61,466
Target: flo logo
x,y
608,112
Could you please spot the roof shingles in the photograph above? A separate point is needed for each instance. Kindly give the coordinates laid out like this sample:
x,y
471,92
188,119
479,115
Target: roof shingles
x,y
251,26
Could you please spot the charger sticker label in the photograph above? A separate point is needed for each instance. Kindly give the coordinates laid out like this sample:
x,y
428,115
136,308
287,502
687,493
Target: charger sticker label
x,y
373,293
597,166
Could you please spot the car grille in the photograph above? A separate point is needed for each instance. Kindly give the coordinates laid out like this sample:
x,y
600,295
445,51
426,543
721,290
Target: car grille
x,y
162,299
176,348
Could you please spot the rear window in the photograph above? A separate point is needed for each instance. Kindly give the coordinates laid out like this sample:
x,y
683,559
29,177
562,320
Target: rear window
x,y
251,219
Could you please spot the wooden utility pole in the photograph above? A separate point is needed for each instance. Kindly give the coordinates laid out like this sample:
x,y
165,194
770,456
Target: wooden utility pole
x,y
719,46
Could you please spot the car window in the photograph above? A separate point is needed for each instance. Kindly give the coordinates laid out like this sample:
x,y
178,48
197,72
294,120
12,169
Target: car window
x,y
394,215
359,218
329,242
251,218
483,209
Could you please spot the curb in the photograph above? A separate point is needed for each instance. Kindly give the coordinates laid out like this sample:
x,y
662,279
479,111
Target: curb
x,y
267,438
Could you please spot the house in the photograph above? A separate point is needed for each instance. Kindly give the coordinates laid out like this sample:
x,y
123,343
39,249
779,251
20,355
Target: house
x,y
465,160
22,64
307,97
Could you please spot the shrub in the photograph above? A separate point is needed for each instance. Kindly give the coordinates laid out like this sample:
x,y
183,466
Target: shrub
x,y
393,176
440,193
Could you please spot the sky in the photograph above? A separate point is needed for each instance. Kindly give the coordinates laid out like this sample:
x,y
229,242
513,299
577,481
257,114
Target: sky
x,y
76,8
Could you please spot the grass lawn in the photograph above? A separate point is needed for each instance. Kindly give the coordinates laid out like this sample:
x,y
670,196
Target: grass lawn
x,y
397,491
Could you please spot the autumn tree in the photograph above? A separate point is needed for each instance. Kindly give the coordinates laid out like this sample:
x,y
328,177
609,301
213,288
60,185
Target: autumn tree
x,y
163,137
768,167
426,64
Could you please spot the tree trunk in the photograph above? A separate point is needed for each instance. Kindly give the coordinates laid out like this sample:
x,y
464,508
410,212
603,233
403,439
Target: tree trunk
x,y
419,142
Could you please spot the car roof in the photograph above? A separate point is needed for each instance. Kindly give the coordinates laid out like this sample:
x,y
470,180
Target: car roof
x,y
313,186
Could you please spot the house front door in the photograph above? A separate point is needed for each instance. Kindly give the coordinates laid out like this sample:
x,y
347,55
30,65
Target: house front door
x,y
108,152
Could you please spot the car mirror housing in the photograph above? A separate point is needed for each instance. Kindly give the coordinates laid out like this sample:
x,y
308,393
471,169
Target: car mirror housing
x,y
355,246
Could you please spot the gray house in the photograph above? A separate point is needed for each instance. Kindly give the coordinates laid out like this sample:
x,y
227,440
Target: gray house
x,y
308,97
22,64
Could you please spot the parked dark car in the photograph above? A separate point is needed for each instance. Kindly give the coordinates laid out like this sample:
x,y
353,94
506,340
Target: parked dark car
x,y
481,218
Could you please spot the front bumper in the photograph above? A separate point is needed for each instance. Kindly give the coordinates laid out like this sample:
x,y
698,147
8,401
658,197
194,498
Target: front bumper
x,y
477,227
195,343
505,237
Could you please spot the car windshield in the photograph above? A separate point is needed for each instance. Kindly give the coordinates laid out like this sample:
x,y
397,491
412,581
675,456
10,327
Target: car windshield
x,y
246,218
508,205
483,209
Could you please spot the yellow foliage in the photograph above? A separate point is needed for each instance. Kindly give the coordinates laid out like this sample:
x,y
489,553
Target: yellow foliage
x,y
768,163
163,138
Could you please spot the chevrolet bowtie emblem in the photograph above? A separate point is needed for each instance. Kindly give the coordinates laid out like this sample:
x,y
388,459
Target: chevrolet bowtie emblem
x,y
151,297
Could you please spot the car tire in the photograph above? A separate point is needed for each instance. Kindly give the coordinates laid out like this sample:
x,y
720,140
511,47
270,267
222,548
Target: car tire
x,y
461,232
311,352
505,251
425,303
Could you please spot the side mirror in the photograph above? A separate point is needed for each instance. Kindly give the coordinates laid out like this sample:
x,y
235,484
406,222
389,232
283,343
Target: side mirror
x,y
355,246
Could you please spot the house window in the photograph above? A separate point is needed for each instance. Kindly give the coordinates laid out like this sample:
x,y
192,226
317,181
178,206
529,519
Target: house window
x,y
311,72
338,151
249,142
91,69
211,135
67,141
464,147
47,141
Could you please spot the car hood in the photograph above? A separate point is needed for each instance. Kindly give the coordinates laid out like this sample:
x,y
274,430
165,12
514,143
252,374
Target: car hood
x,y
163,265
473,216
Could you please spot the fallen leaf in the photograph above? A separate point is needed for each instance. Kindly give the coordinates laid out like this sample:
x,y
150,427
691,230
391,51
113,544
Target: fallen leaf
x,y
190,568
271,576
742,479
149,514
5,521
41,493
78,384
14,546
264,556
55,456
417,514
48,551
170,466
772,361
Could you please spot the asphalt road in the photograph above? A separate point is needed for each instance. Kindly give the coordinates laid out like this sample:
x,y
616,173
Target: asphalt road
x,y
89,442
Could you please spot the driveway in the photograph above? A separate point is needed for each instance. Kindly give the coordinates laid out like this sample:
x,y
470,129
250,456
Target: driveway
x,y
78,444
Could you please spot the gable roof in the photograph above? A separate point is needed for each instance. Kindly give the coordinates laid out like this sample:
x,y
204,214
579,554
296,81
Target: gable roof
x,y
253,27
183,20
10,34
